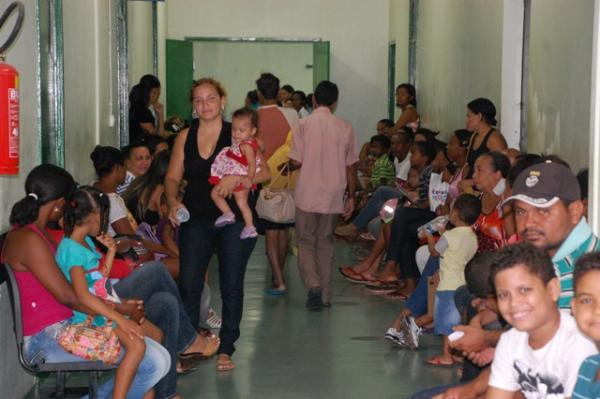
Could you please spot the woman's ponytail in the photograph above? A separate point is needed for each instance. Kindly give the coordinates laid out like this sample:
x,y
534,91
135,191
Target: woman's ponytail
x,y
25,211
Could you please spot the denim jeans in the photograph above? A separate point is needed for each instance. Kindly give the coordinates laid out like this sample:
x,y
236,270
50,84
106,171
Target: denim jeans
x,y
371,210
403,240
153,284
445,314
417,302
199,240
44,348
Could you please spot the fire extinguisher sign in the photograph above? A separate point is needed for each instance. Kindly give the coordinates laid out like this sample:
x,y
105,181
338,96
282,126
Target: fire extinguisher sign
x,y
13,122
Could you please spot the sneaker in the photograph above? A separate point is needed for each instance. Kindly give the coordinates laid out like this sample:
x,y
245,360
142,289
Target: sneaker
x,y
411,332
225,219
213,321
395,336
314,301
248,232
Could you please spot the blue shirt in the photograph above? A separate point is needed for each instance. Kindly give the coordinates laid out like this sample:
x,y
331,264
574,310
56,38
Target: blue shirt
x,y
580,241
71,254
586,385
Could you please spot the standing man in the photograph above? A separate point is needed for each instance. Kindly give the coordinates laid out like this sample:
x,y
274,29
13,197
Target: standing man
x,y
325,150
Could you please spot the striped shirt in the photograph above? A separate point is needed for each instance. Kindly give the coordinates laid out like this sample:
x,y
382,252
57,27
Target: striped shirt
x,y
383,173
586,386
579,242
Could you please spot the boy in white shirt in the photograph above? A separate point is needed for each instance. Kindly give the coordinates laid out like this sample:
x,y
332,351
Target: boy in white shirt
x,y
539,357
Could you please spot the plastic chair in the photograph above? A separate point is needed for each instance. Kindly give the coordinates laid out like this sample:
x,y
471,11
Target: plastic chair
x,y
59,369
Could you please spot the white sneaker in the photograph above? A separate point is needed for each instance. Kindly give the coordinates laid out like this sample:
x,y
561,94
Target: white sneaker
x,y
213,321
411,332
395,336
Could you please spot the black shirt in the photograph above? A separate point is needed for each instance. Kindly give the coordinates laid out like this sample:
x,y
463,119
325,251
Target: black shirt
x,y
197,172
137,116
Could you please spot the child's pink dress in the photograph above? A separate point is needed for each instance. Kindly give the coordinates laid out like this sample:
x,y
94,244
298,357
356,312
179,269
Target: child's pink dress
x,y
231,162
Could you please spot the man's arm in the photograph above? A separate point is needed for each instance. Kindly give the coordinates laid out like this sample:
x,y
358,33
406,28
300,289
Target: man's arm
x,y
352,184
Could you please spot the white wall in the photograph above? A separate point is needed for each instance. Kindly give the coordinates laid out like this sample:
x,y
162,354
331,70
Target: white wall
x,y
399,33
559,79
14,382
91,101
459,50
139,32
239,64
357,30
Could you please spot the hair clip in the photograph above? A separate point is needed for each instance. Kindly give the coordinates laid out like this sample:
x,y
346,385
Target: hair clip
x,y
33,195
73,204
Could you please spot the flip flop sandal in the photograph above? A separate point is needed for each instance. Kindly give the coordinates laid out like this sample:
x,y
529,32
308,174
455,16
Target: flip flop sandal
x,y
382,286
275,292
225,365
351,275
396,295
436,361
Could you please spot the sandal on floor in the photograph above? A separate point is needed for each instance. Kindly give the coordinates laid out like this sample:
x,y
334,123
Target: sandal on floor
x,y
225,364
212,346
382,285
436,361
275,292
188,365
397,295
351,275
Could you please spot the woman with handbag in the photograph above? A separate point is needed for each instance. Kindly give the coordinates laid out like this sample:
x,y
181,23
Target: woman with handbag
x,y
193,154
48,299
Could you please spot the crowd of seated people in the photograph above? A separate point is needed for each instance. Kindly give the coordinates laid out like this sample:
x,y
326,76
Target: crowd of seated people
x,y
501,238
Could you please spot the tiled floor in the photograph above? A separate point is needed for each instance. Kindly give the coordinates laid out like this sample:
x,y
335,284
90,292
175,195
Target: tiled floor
x,y
286,352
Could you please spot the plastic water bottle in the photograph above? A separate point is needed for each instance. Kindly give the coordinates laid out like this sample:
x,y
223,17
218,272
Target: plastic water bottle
x,y
183,215
435,225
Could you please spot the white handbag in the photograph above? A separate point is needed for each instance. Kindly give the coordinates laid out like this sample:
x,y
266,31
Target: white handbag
x,y
277,204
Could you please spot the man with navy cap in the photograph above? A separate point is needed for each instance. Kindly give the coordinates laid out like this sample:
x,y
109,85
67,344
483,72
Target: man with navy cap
x,y
549,214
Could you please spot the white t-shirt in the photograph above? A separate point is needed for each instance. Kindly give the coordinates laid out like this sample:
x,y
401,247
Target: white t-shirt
x,y
402,167
438,191
548,372
118,210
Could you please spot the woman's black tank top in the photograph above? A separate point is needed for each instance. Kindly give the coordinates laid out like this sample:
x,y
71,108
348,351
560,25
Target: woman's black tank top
x,y
476,153
197,171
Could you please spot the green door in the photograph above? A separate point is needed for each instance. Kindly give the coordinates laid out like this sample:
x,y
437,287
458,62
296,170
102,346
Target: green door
x,y
320,62
180,76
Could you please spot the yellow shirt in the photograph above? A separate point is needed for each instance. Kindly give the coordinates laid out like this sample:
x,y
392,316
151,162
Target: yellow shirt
x,y
462,246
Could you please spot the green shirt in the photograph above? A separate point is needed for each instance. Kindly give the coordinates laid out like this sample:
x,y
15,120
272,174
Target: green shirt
x,y
383,172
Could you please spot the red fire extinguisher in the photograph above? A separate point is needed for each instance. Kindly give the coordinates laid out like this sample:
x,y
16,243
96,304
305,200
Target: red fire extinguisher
x,y
9,100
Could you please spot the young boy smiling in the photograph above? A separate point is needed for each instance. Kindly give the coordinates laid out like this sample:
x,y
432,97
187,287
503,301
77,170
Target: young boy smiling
x,y
586,308
541,354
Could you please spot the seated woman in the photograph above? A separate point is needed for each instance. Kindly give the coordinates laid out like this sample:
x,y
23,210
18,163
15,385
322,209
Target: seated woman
x,y
48,299
422,155
137,162
109,165
400,147
406,100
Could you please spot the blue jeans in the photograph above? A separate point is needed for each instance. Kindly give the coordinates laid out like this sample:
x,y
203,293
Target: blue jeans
x,y
371,210
403,239
44,348
198,242
417,302
445,314
153,284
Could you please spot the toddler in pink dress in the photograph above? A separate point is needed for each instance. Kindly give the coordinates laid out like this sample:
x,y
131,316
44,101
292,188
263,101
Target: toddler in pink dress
x,y
242,158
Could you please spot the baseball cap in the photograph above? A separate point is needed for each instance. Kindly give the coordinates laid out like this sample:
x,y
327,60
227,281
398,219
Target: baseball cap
x,y
543,185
